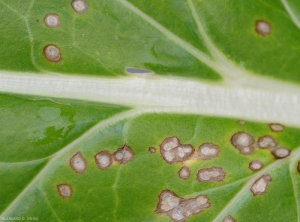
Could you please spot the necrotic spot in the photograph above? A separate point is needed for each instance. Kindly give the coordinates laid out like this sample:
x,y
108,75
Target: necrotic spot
x,y
180,209
52,53
170,143
260,186
78,163
124,154
103,159
173,151
263,27
80,6
195,205
208,150
244,142
152,150
52,20
184,173
280,153
229,218
167,200
276,127
183,152
64,190
211,174
267,142
255,165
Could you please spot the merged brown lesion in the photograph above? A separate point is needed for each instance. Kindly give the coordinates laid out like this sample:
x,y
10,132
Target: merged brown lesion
x,y
244,142
124,154
173,151
269,142
213,174
207,151
104,159
180,209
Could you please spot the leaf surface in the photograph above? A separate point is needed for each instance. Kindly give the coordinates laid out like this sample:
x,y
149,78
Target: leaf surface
x,y
133,73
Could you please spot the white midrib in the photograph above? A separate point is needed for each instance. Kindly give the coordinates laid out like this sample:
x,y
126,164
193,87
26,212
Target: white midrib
x,y
264,99
186,96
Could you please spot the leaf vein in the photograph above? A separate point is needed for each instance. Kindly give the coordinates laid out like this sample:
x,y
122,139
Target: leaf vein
x,y
292,14
185,45
102,124
48,203
296,194
247,186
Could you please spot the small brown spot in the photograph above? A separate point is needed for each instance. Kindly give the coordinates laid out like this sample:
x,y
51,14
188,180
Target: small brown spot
x,y
229,218
64,190
103,159
244,142
78,163
267,142
263,27
80,6
242,122
124,154
207,151
152,150
52,53
255,165
184,173
52,20
173,151
261,185
298,167
180,209
276,127
280,153
211,174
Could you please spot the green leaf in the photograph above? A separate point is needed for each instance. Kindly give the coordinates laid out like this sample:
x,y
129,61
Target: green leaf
x,y
87,131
